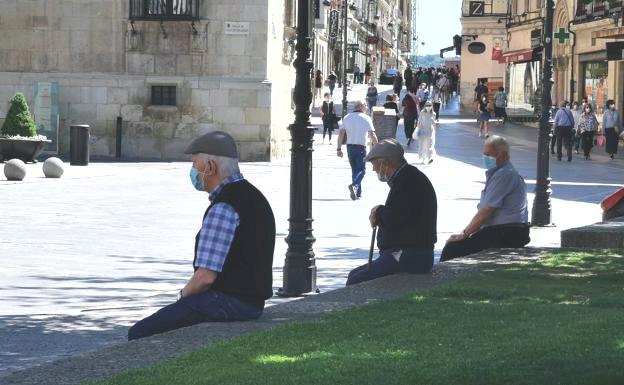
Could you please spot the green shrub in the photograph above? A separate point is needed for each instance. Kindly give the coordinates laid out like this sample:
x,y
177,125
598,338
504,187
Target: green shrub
x,y
18,120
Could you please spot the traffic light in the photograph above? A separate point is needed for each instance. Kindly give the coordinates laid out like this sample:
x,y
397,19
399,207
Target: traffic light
x,y
457,43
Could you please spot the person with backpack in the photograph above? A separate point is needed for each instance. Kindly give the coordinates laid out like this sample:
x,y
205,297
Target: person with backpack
x,y
564,127
328,115
500,103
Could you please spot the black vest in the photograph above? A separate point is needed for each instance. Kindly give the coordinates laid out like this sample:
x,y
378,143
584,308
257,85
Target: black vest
x,y
248,269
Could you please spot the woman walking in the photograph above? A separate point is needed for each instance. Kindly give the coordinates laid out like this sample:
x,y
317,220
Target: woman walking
x,y
371,96
436,98
410,114
398,84
426,133
484,116
588,126
318,85
611,124
331,82
328,115
576,113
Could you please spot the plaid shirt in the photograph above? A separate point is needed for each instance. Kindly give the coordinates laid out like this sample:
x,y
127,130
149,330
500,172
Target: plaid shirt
x,y
217,231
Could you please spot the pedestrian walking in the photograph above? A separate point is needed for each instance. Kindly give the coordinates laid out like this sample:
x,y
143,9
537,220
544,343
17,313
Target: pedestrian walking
x,y
371,95
357,126
356,74
426,134
423,95
410,114
500,105
318,84
436,101
611,123
483,109
480,90
331,82
576,113
397,85
408,76
564,129
367,72
588,126
329,117
406,222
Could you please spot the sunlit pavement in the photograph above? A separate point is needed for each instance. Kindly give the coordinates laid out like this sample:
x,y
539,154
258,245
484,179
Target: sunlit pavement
x,y
86,255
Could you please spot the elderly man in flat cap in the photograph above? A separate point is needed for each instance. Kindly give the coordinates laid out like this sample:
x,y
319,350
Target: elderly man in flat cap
x,y
233,248
407,222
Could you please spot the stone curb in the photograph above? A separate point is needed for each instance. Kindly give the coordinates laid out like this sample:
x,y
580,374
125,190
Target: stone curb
x,y
107,362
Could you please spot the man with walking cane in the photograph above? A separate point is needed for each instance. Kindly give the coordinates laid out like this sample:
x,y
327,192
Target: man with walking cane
x,y
406,223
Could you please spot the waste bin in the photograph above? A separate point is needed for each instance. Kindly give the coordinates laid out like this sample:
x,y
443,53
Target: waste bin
x,y
385,123
79,145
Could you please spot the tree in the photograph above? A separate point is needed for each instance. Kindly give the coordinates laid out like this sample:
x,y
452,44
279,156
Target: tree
x,y
18,120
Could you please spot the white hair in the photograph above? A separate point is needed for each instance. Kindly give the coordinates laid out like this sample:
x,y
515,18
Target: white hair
x,y
359,105
226,166
499,144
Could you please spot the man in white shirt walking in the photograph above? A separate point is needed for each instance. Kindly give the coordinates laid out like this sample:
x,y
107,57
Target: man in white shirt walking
x,y
356,125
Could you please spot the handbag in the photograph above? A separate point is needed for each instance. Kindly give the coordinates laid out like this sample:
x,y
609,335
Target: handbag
x,y
601,140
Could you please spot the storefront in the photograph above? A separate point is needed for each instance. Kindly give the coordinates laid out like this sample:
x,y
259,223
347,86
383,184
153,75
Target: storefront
x,y
523,79
595,76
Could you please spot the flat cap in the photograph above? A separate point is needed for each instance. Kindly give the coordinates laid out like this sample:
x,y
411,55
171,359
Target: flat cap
x,y
386,149
217,143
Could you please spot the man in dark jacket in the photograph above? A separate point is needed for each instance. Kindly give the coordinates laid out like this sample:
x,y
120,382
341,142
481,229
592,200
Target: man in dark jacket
x,y
233,249
406,223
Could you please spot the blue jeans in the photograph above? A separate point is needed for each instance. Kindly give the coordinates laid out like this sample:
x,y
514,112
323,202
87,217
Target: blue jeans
x,y
356,156
413,260
204,307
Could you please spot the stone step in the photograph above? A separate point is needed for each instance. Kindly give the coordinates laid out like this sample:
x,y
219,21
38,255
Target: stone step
x,y
601,235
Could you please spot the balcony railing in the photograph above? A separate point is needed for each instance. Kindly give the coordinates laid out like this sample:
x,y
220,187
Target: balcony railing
x,y
164,9
597,10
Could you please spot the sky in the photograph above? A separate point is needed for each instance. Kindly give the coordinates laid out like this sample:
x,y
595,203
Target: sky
x,y
436,23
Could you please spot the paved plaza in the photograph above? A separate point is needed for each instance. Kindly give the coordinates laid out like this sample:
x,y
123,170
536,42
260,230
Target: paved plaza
x,y
86,255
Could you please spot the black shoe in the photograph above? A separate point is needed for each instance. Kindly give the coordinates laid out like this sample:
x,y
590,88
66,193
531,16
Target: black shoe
x,y
570,159
559,159
611,156
352,192
409,141
430,161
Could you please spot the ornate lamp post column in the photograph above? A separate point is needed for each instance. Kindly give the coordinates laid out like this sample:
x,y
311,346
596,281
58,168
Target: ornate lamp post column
x,y
344,57
541,215
299,266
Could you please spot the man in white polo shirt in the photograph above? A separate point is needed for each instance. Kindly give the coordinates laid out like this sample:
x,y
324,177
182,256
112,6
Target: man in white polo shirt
x,y
356,125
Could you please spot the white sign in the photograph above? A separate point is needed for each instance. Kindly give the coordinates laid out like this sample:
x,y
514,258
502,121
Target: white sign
x,y
236,28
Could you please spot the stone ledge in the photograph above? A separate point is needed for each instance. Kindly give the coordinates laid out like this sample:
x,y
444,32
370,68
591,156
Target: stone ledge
x,y
601,235
107,362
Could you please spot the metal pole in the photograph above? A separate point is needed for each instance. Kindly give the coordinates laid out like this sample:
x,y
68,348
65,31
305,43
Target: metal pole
x,y
299,265
344,59
541,215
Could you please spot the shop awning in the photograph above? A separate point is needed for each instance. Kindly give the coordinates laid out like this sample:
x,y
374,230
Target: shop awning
x,y
517,56
593,56
609,33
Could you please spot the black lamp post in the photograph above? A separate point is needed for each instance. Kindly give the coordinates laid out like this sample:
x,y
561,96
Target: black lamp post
x,y
541,215
299,265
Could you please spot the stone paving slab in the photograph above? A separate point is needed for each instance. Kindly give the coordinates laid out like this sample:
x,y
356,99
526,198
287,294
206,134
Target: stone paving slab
x,y
149,351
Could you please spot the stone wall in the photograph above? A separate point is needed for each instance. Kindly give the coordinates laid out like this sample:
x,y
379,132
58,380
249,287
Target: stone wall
x,y
105,68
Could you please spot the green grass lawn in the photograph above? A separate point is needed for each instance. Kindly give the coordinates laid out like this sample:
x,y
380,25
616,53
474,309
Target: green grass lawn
x,y
558,321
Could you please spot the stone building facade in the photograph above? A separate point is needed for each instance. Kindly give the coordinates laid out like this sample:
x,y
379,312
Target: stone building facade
x,y
170,74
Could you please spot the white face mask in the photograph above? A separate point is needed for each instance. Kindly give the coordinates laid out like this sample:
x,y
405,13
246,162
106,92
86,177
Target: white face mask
x,y
383,177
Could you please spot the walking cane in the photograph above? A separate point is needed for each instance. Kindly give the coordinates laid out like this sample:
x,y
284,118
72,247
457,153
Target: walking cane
x,y
372,247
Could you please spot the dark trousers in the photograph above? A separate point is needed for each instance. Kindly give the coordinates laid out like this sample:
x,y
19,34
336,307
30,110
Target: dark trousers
x,y
204,307
409,123
564,137
356,154
436,109
328,125
587,142
491,237
611,139
413,260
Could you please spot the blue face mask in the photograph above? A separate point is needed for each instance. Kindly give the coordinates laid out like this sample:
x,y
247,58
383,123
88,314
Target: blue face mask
x,y
489,162
197,182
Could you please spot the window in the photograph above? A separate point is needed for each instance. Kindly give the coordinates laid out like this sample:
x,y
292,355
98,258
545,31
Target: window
x,y
164,9
290,13
163,95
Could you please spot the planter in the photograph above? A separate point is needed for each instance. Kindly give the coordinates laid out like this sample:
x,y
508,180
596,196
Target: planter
x,y
25,149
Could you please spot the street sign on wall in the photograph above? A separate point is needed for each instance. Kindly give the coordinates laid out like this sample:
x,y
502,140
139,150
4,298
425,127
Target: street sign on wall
x,y
333,24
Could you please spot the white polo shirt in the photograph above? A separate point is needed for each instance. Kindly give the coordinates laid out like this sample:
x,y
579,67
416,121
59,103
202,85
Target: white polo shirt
x,y
357,125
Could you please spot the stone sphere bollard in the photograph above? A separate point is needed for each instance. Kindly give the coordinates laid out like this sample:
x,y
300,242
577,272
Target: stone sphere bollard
x,y
53,168
15,169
